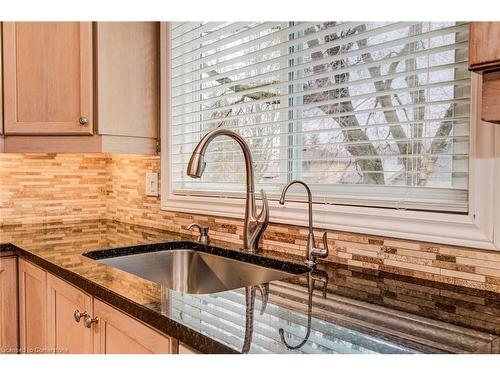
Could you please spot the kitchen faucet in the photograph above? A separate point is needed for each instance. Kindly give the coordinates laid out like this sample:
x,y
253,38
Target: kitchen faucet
x,y
312,251
254,224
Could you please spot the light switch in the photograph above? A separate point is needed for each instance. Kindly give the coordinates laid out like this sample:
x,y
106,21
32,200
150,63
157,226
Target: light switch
x,y
152,184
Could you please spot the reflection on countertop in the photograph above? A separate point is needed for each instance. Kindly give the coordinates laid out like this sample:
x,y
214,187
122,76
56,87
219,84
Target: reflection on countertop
x,y
347,309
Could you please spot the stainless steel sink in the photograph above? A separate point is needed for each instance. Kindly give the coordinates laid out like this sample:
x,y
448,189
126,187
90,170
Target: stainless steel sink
x,y
194,272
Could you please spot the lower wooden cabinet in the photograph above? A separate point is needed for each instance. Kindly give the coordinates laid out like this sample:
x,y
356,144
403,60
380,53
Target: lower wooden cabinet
x,y
184,349
8,305
57,317
32,309
68,307
117,333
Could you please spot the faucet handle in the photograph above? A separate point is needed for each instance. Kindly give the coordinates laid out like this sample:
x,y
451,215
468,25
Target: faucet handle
x,y
322,277
264,213
320,253
264,294
326,250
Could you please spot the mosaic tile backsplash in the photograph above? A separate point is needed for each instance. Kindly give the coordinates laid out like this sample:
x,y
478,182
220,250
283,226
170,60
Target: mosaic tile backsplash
x,y
66,187
46,187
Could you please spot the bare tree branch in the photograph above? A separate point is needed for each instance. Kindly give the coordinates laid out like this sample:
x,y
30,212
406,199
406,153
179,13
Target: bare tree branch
x,y
366,148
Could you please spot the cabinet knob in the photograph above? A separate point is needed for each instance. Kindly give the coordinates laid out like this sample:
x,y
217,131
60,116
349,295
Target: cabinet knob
x,y
84,121
79,315
89,321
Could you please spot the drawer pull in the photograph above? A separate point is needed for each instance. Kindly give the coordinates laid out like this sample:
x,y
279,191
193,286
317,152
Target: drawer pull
x,y
79,315
89,321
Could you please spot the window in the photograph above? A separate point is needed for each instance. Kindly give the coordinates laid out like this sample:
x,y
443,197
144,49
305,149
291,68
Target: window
x,y
381,119
373,114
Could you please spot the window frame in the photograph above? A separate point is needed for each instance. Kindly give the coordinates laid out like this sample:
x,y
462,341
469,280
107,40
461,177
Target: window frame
x,y
480,228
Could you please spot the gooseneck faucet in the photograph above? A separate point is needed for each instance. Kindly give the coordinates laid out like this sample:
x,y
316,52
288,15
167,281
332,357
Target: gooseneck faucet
x,y
255,224
312,251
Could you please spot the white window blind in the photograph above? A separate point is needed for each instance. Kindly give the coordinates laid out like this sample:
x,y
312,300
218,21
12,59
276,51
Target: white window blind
x,y
370,114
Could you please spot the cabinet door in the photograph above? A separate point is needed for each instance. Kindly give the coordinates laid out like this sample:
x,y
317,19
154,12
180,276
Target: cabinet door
x,y
117,333
65,334
484,46
490,110
47,77
128,78
32,308
1,93
8,305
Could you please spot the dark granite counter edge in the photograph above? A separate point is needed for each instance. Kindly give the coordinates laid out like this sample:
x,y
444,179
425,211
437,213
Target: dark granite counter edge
x,y
196,340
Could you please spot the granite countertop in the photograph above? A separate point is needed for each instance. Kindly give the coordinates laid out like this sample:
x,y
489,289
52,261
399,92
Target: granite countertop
x,y
362,311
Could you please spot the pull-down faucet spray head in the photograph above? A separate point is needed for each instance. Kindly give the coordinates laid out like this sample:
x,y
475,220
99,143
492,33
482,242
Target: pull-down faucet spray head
x,y
196,165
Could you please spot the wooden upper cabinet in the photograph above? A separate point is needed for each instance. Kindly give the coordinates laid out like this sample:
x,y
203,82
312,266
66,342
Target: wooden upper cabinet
x,y
48,70
484,57
484,46
128,78
490,104
8,305
1,96
56,73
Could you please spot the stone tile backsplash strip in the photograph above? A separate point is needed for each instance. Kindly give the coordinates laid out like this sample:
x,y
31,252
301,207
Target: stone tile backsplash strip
x,y
63,187
47,187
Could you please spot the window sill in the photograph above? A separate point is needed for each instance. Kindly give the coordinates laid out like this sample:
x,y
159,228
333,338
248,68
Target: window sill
x,y
450,229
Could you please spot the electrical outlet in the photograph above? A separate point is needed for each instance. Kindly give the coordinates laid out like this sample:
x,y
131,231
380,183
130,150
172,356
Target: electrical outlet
x,y
152,184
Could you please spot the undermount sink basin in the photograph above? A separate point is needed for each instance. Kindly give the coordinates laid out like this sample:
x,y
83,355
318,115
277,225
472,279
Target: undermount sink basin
x,y
194,272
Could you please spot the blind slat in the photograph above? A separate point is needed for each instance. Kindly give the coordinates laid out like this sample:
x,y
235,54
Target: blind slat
x,y
343,143
306,160
185,132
